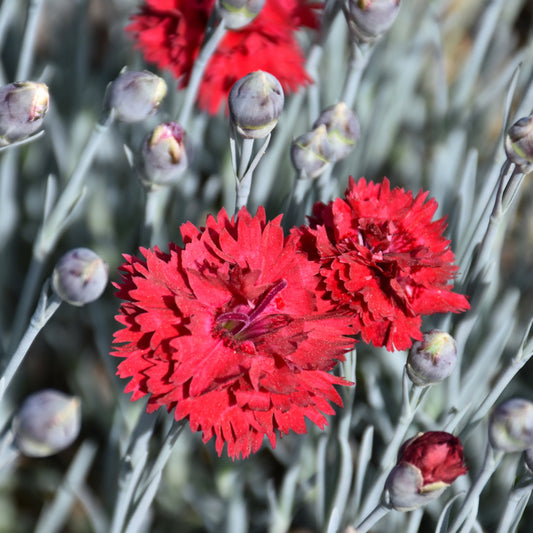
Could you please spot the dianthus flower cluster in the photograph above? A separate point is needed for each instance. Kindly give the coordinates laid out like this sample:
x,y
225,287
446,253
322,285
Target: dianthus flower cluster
x,y
238,329
170,34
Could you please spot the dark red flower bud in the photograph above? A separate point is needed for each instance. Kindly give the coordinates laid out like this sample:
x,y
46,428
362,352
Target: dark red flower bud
x,y
426,465
23,106
370,19
238,13
163,155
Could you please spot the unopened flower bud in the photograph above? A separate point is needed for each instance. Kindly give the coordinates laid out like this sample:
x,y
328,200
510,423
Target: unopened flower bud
x,y
432,359
23,106
311,153
163,155
255,104
426,465
511,426
370,19
135,95
80,276
47,422
238,13
342,127
519,144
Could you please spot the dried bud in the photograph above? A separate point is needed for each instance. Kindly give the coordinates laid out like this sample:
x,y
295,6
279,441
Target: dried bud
x,y
311,153
370,19
163,156
255,104
80,276
432,359
342,127
135,95
23,106
511,426
427,464
238,13
519,144
47,422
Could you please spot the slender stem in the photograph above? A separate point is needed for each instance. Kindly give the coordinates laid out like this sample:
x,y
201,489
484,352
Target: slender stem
x,y
154,215
46,307
198,72
516,503
55,515
377,514
30,35
132,467
55,224
360,56
410,404
490,463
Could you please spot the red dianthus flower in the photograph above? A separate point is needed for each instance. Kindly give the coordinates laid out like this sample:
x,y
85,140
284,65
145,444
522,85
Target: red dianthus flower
x,y
227,331
170,34
383,260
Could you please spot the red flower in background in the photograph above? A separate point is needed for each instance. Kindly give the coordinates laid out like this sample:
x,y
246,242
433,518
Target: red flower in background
x,y
437,454
227,332
383,260
170,34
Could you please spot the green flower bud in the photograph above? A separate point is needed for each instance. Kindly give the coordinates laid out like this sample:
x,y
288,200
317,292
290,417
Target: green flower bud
x,y
370,19
519,144
80,276
238,13
47,422
163,155
311,153
255,104
342,127
432,359
511,426
23,106
134,95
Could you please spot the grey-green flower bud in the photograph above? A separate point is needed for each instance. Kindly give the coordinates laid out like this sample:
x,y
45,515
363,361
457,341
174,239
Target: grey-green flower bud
x,y
255,104
238,13
370,19
135,95
519,144
163,155
80,276
311,153
23,106
342,127
511,426
432,359
47,422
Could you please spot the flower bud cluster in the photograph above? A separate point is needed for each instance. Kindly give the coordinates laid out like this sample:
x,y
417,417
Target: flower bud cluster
x,y
426,465
23,106
332,138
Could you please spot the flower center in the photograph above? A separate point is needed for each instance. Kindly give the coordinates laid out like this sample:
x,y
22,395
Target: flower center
x,y
244,324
